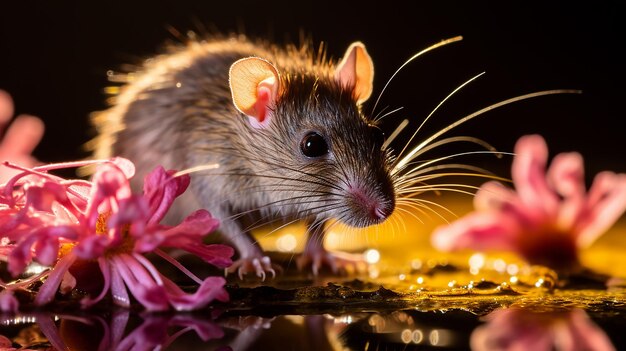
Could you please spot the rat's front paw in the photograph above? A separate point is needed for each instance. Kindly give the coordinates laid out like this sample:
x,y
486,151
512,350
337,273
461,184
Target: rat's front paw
x,y
260,265
338,262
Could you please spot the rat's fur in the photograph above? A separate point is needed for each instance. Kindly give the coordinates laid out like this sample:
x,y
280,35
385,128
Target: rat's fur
x,y
177,112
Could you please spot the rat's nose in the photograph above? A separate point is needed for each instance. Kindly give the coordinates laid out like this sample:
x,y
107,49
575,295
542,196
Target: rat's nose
x,y
371,207
380,212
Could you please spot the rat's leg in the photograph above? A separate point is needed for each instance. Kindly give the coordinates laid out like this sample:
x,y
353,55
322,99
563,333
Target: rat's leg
x,y
251,256
317,256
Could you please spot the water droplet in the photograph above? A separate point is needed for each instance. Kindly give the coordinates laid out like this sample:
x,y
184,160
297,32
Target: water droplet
x,y
405,336
416,264
417,336
371,256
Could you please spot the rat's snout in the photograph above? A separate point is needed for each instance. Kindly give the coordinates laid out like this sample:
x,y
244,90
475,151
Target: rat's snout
x,y
381,211
368,207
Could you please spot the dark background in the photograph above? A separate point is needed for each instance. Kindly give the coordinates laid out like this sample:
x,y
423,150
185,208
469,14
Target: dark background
x,y
54,57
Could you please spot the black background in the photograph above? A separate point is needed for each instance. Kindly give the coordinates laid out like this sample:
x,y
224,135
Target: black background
x,y
54,57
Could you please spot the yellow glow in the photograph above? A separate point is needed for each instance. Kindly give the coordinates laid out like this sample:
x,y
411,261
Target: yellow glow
x,y
373,272
499,265
347,319
512,269
477,261
297,320
333,240
35,268
286,243
371,256
420,280
112,90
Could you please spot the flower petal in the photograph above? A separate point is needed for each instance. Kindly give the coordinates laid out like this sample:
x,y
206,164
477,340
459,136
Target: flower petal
x,y
140,283
118,289
528,173
212,288
606,203
49,288
161,189
124,165
566,174
91,247
215,254
494,195
477,231
190,231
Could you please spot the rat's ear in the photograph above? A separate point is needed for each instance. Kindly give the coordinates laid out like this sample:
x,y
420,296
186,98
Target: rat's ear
x,y
254,86
356,69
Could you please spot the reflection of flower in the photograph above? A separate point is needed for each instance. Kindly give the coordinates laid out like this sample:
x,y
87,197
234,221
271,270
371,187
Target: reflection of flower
x,y
62,222
152,334
549,216
155,332
20,138
524,329
8,302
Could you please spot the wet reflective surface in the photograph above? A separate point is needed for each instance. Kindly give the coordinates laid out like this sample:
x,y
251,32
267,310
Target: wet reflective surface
x,y
410,298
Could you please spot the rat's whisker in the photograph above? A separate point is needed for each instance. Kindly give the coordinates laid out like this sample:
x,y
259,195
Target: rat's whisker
x,y
411,213
411,154
415,174
457,139
443,158
427,205
430,48
412,192
395,133
379,118
435,109
422,178
197,169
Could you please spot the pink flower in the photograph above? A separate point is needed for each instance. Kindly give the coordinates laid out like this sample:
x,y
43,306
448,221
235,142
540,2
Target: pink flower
x,y
516,329
548,218
64,222
20,139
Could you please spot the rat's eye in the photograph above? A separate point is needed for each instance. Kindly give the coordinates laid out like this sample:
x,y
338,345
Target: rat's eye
x,y
313,145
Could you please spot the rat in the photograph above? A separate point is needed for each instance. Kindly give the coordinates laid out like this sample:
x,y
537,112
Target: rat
x,y
284,126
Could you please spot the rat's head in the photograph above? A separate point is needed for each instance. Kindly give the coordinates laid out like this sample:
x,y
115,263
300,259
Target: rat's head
x,y
319,154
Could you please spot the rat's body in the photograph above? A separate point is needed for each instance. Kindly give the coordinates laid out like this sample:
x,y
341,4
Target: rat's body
x,y
284,127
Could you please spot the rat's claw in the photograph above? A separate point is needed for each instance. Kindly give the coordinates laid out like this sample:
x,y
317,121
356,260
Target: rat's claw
x,y
259,265
336,261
